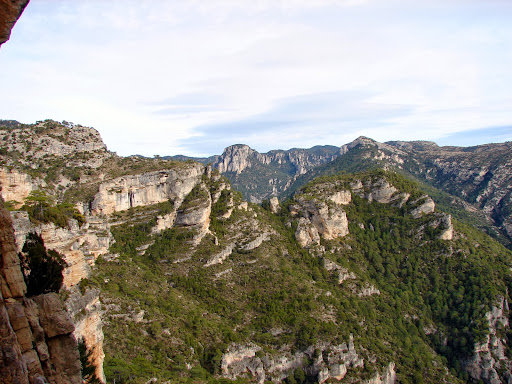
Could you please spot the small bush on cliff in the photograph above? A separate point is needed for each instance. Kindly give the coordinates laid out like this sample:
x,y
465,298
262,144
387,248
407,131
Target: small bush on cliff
x,y
88,369
42,269
41,208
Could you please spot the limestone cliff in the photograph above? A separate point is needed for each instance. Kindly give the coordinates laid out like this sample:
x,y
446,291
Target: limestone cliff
x,y
80,247
263,175
70,161
37,343
145,189
16,185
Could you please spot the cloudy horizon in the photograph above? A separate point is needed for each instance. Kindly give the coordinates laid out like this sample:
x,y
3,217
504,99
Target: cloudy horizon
x,y
168,77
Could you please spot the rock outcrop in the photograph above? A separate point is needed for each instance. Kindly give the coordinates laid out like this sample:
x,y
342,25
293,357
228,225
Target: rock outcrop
x,y
260,176
80,246
489,362
10,12
320,215
322,362
16,186
426,206
379,190
145,189
196,214
85,310
274,205
478,175
37,342
388,377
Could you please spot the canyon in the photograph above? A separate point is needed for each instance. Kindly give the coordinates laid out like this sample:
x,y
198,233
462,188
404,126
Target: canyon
x,y
186,222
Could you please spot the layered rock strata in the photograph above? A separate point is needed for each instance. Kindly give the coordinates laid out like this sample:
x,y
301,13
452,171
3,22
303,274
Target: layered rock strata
x,y
145,189
37,341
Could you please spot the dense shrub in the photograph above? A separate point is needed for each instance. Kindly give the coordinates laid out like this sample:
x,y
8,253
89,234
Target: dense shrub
x,y
41,209
42,269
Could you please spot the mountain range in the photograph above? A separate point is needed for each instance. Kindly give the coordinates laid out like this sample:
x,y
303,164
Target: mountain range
x,y
361,264
471,182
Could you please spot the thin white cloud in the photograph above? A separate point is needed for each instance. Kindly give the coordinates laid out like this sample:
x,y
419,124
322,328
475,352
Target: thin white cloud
x,y
122,66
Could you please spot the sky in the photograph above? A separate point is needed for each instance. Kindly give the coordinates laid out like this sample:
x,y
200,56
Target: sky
x,y
168,77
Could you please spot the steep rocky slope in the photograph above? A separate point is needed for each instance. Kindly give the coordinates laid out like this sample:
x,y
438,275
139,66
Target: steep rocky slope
x,y
73,186
37,342
356,278
260,176
370,276
475,181
479,175
472,183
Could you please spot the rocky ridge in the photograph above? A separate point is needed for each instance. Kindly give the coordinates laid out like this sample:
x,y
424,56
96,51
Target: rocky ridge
x,y
260,176
479,175
324,361
230,246
477,178
320,209
81,148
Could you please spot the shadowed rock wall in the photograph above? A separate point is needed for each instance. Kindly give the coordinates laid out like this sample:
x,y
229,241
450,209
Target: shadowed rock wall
x,y
10,11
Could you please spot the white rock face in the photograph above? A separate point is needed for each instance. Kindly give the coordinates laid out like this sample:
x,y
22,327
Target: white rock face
x,y
489,356
235,159
221,256
164,222
265,236
320,219
237,357
368,290
16,186
428,206
306,234
333,362
376,190
341,197
145,189
446,223
274,205
389,376
339,359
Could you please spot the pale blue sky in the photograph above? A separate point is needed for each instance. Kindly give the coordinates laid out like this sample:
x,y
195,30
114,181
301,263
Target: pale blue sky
x,y
192,77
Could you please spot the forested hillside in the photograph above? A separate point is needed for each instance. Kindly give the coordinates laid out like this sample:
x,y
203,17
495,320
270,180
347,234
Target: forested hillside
x,y
402,285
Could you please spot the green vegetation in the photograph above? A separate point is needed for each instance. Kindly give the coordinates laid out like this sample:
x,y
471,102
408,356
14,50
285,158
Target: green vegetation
x,y
41,209
42,269
171,316
88,370
364,157
428,315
